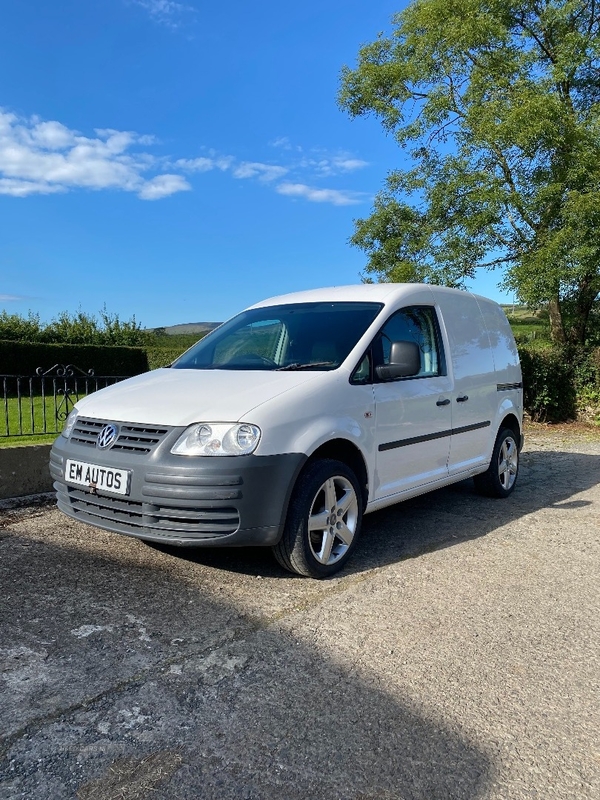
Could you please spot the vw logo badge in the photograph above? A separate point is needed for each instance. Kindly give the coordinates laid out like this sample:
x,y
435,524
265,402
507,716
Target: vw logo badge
x,y
107,437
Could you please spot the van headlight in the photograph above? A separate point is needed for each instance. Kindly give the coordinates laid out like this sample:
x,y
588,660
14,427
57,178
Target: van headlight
x,y
69,424
217,439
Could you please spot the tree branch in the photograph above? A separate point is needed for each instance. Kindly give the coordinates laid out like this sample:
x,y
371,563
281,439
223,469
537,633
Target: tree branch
x,y
506,170
497,261
592,15
452,91
514,225
435,134
543,47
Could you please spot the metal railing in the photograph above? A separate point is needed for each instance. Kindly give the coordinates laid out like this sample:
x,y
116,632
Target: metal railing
x,y
34,405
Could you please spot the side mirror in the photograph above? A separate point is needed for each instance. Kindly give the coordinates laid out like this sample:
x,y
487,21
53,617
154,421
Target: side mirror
x,y
405,360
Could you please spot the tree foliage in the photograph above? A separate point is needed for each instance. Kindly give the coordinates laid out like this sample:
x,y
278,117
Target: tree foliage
x,y
74,328
496,104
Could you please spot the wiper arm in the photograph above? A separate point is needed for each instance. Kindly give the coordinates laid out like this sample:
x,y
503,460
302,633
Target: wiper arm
x,y
298,366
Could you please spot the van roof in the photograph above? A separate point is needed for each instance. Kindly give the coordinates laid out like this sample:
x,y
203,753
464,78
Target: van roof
x,y
366,292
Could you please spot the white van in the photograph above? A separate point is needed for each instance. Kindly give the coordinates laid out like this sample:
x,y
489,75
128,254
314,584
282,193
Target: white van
x,y
290,421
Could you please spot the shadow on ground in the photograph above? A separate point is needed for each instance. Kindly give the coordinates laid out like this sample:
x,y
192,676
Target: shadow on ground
x,y
131,673
123,678
437,519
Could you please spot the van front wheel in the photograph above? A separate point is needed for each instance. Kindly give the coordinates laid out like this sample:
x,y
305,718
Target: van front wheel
x,y
501,476
323,520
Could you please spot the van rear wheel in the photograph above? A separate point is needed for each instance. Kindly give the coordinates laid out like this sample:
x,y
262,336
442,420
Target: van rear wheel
x,y
501,476
323,520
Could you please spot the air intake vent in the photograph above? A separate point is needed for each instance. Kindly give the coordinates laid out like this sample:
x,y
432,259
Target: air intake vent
x,y
155,519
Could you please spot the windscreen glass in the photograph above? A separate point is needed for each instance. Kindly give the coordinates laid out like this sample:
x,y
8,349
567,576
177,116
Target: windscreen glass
x,y
298,336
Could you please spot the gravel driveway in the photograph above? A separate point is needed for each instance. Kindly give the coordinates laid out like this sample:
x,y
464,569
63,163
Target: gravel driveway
x,y
456,657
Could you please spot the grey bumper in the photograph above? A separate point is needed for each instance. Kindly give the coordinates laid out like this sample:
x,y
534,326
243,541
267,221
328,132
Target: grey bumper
x,y
201,501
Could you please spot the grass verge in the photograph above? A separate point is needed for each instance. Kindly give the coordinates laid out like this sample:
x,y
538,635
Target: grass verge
x,y
29,420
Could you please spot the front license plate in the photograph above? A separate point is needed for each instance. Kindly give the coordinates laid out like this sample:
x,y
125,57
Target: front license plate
x,y
97,478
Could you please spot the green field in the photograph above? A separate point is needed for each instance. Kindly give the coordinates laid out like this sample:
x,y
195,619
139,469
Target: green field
x,y
165,349
23,422
529,327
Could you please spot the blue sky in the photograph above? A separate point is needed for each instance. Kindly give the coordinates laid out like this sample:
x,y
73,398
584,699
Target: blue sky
x,y
178,161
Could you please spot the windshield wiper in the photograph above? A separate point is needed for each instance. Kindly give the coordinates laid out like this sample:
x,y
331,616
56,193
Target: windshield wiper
x,y
298,366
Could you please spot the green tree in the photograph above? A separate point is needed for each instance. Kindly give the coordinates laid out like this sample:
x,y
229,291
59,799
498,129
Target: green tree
x,y
14,327
127,332
496,104
74,328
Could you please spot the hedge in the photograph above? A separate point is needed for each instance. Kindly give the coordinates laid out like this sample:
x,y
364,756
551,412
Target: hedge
x,y
23,358
558,383
162,356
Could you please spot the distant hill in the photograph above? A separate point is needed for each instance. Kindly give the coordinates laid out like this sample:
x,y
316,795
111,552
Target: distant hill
x,y
189,327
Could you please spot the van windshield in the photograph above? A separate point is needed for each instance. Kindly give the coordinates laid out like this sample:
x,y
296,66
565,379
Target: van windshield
x,y
297,336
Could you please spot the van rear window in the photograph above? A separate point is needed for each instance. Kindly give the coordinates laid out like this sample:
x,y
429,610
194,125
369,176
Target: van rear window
x,y
295,336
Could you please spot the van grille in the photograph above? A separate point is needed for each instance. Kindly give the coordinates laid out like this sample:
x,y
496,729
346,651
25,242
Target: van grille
x,y
164,520
132,438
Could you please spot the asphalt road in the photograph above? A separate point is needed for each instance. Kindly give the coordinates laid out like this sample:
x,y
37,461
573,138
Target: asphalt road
x,y
456,657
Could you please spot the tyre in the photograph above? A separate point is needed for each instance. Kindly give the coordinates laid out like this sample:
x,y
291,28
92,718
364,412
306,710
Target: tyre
x,y
501,476
323,521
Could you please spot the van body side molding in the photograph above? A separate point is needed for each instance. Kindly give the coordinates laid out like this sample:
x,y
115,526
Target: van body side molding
x,y
506,387
431,436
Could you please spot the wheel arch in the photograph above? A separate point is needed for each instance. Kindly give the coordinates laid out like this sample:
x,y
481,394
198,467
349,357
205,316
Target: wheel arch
x,y
295,550
511,422
349,454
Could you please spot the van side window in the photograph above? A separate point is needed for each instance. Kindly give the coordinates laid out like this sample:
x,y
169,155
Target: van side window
x,y
362,374
417,324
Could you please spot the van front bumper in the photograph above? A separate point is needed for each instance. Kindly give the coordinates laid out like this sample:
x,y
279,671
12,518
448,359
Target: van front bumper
x,y
203,501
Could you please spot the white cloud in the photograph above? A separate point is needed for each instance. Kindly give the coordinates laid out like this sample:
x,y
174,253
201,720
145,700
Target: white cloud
x,y
302,169
348,164
52,135
284,143
242,169
320,161
18,188
6,298
45,157
203,164
195,164
337,197
165,12
264,172
333,165
163,186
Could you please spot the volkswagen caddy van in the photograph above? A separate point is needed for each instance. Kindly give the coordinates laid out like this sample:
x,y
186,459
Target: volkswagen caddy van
x,y
286,424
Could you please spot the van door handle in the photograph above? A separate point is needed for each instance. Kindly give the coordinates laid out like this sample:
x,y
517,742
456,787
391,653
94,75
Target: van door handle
x,y
462,399
443,402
